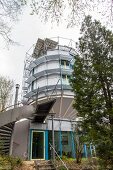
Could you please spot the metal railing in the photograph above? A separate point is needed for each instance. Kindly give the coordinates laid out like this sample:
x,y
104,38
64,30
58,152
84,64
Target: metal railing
x,y
56,154
19,104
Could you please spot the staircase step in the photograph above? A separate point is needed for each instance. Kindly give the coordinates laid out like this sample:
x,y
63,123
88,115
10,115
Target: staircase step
x,y
7,128
3,134
44,165
46,168
5,131
5,138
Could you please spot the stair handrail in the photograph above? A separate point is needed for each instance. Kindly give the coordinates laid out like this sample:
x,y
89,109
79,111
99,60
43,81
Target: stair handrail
x,y
58,156
19,104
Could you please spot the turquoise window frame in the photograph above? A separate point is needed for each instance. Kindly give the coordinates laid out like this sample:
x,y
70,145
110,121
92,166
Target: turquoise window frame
x,y
30,143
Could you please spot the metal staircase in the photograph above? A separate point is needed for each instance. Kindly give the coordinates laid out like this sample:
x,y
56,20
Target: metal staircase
x,y
10,117
7,123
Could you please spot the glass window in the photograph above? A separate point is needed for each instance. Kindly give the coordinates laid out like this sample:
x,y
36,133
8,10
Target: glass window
x,y
65,79
88,150
37,145
65,64
71,66
62,144
34,85
66,144
32,88
56,138
33,71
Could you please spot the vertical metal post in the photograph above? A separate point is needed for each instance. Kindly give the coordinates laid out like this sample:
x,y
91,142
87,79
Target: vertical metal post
x,y
15,105
91,150
53,140
58,43
73,142
73,145
60,138
46,145
85,151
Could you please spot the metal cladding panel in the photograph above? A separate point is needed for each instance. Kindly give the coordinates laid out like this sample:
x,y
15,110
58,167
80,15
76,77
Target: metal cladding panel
x,y
66,57
64,125
40,60
45,73
67,71
31,66
30,79
46,58
49,91
53,57
38,126
52,64
53,52
63,108
58,52
30,94
21,138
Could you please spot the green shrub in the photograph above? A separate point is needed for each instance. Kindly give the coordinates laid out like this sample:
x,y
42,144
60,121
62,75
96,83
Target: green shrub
x,y
10,162
64,157
13,161
61,168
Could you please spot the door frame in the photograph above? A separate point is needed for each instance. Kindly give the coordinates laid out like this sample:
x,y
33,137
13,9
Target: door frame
x,y
43,144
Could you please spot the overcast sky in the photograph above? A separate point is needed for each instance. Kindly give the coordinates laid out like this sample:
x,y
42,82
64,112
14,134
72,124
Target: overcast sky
x,y
26,31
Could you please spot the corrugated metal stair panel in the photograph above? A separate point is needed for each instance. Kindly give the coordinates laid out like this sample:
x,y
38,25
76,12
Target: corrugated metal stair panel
x,y
5,138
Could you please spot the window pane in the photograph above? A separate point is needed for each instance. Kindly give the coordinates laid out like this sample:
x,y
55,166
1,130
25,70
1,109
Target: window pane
x,y
65,64
66,144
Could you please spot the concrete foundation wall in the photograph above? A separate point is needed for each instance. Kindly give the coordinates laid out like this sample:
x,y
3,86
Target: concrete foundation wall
x,y
21,139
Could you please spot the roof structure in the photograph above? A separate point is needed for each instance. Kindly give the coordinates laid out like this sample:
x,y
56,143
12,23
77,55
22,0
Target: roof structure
x,y
42,46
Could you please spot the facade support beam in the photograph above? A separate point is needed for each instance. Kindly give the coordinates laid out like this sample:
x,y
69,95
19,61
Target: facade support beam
x,y
53,138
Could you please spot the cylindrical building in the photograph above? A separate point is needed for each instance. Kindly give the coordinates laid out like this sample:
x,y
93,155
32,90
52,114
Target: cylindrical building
x,y
48,75
46,78
50,119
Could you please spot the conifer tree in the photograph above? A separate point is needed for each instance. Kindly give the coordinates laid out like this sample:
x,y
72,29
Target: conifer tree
x,y
92,84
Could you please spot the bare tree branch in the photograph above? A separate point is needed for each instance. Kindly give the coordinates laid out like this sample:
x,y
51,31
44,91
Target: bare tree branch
x,y
9,10
6,86
73,11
